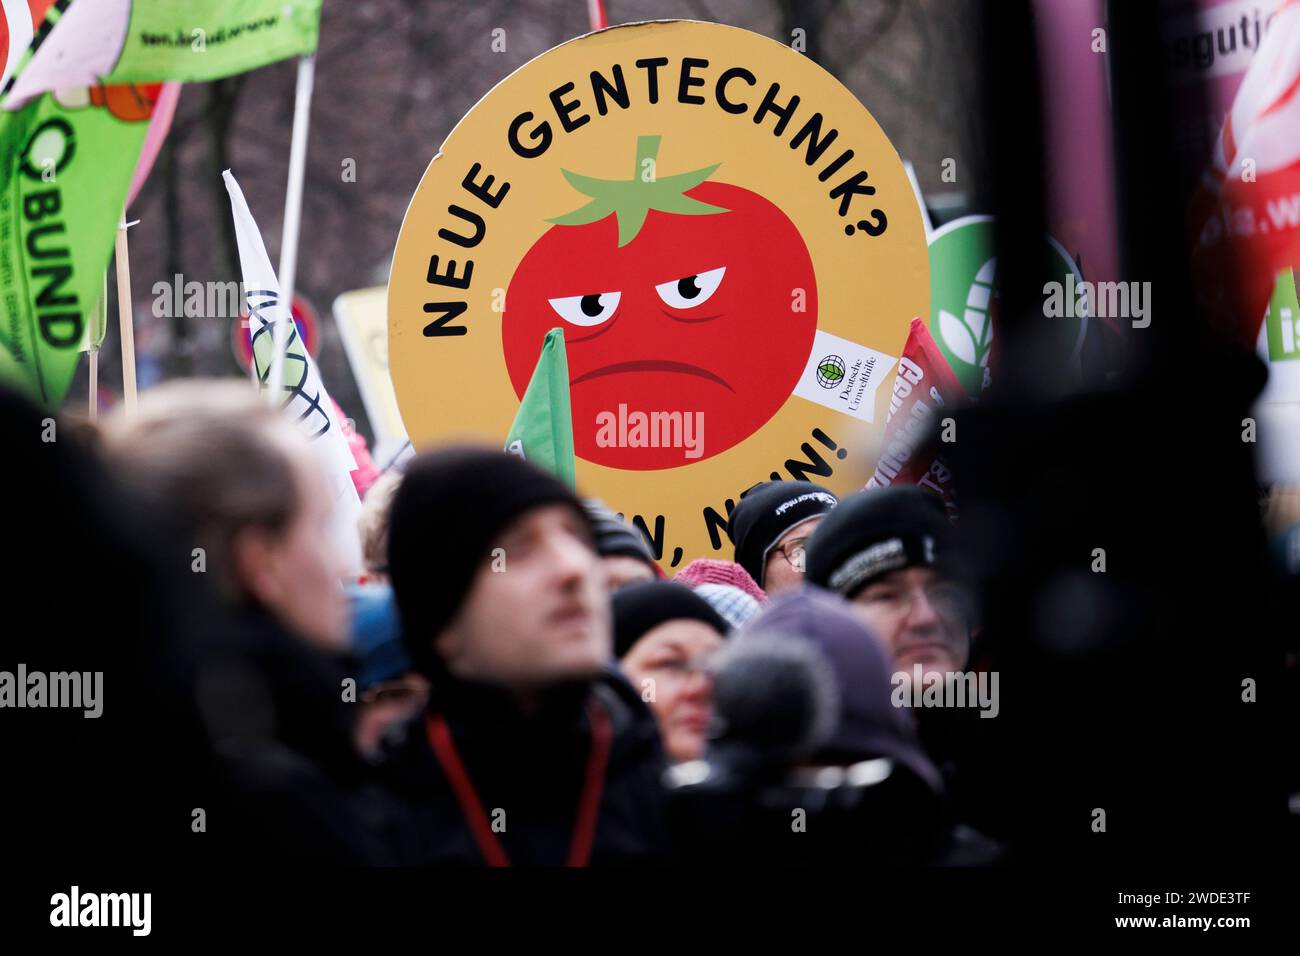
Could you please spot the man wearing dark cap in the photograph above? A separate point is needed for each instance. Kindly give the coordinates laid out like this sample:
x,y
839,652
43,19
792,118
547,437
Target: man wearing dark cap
x,y
624,550
892,553
769,527
531,750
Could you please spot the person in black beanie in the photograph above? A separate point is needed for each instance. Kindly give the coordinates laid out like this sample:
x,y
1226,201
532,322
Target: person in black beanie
x,y
623,548
892,552
532,750
769,527
664,637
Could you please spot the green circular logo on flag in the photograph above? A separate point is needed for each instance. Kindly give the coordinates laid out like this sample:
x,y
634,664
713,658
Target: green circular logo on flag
x,y
964,297
50,148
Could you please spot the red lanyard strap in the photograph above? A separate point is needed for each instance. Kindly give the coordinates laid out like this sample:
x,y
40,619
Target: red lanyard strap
x,y
593,785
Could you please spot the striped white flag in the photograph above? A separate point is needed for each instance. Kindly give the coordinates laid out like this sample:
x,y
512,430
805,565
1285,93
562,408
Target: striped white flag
x,y
305,398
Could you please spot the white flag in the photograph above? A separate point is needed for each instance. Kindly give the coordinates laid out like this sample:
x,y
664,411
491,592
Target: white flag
x,y
306,400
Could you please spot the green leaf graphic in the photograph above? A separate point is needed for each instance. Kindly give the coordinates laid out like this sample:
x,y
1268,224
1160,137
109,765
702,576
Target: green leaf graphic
x,y
830,372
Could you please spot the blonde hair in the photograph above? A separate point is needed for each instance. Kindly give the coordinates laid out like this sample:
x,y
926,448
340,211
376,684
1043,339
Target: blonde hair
x,y
218,455
373,522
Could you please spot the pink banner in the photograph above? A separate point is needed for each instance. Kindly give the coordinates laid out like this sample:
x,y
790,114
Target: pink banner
x,y
159,127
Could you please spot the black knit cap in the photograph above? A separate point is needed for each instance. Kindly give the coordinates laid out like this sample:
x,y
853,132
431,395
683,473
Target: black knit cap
x,y
641,607
614,536
451,505
767,511
878,531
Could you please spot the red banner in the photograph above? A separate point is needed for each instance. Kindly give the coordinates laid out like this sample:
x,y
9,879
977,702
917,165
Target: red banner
x,y
1247,212
923,386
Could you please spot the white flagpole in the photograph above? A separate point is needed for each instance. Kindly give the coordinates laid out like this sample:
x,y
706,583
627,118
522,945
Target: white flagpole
x,y
292,220
101,315
94,384
124,317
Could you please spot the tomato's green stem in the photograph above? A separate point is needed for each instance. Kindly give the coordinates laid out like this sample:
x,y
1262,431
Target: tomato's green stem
x,y
630,200
647,147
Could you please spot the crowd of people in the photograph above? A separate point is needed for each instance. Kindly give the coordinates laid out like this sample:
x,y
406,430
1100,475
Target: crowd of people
x,y
512,679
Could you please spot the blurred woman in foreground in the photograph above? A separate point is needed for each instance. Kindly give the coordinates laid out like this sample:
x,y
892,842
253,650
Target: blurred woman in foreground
x,y
253,509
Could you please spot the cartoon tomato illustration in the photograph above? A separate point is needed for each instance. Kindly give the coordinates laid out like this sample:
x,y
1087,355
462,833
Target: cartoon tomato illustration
x,y
676,294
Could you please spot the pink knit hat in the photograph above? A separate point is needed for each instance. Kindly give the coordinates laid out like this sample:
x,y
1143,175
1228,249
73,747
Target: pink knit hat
x,y
711,571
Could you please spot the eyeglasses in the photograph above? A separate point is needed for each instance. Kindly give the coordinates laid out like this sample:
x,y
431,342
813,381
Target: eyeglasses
x,y
950,601
395,692
793,552
683,669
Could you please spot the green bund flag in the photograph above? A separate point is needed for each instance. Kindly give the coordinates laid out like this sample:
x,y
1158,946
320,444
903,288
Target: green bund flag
x,y
207,39
543,429
152,41
64,174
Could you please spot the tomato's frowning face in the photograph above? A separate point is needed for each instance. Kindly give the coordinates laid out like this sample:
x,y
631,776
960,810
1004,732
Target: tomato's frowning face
x,y
684,296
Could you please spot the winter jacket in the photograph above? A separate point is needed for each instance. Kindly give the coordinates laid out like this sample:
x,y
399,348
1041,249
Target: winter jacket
x,y
288,784
528,773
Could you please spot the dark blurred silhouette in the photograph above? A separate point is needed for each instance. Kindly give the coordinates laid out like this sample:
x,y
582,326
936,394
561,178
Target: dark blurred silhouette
x,y
95,581
1123,687
812,764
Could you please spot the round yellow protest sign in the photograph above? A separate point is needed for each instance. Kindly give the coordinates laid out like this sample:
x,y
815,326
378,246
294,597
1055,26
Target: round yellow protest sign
x,y
728,240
